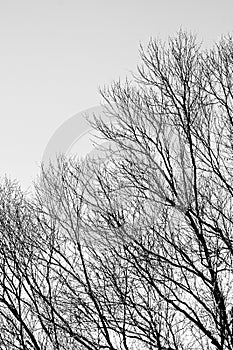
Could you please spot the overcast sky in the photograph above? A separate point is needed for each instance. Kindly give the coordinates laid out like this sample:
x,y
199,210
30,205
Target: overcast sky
x,y
56,53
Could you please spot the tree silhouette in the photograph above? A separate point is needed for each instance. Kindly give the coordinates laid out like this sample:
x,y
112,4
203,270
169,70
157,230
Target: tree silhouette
x,y
134,252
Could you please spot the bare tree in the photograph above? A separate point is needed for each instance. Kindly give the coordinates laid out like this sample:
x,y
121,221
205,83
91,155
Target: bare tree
x,y
172,185
134,252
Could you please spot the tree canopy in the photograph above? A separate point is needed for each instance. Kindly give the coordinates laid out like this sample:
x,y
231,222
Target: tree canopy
x,y
133,250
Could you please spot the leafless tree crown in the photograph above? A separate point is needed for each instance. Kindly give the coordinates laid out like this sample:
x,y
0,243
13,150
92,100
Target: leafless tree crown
x,y
134,252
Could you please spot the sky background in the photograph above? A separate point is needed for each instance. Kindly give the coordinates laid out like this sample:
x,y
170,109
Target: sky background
x,y
55,54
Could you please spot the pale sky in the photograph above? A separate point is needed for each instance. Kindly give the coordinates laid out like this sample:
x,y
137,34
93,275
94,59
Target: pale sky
x,y
56,53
